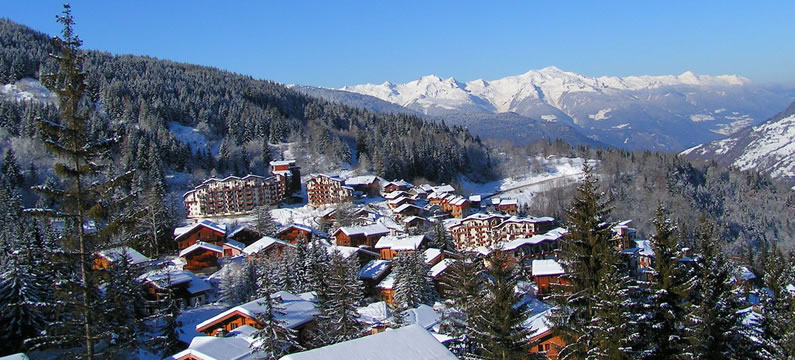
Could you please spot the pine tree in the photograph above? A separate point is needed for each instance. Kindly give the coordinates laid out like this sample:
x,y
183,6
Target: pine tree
x,y
264,222
441,239
464,284
168,341
23,300
668,287
154,223
715,328
498,326
778,304
587,253
239,284
10,170
412,284
338,320
86,198
122,304
274,338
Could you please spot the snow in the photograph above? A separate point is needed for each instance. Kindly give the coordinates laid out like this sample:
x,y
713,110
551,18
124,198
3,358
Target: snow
x,y
440,267
409,342
264,243
193,138
28,89
374,269
400,243
601,114
772,148
430,254
201,245
374,313
115,254
388,282
361,180
422,315
546,267
178,232
221,348
368,230
18,356
701,117
744,273
296,311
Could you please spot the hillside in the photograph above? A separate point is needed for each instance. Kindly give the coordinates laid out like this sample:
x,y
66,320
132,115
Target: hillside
x,y
768,148
668,113
202,121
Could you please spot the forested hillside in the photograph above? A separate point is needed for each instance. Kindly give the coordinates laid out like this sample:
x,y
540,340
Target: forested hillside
x,y
203,121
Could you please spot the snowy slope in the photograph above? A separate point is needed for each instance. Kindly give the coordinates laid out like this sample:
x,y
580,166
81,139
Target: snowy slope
x,y
27,89
768,147
670,112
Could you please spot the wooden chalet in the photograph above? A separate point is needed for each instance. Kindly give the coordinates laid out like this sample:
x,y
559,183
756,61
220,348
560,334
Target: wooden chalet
x,y
386,289
360,235
546,273
369,185
205,231
237,345
296,314
372,274
625,235
547,344
406,210
399,201
187,288
266,247
416,222
397,185
438,273
106,259
294,232
243,234
389,246
541,246
202,256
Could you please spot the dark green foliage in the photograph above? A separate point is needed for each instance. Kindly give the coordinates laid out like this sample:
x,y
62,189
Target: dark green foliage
x,y
779,304
464,287
413,286
338,320
498,325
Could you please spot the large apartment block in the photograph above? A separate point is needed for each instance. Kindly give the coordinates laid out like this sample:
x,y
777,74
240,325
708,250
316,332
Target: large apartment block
x,y
233,196
323,189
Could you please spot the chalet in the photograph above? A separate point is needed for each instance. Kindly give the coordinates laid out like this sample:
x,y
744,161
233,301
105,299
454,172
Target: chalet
x,y
375,316
232,196
406,210
457,206
546,343
545,273
324,189
289,175
243,234
433,256
294,232
202,256
475,201
389,246
205,231
267,247
397,185
416,222
625,235
238,345
373,273
535,247
476,230
187,289
438,274
295,313
399,201
409,342
369,185
417,193
360,235
363,255
508,206
386,289
106,259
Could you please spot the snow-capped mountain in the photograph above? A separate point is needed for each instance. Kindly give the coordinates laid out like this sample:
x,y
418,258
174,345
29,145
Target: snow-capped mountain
x,y
668,112
768,147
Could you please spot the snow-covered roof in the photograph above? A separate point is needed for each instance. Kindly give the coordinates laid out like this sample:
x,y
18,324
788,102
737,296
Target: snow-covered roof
x,y
412,218
440,267
422,315
374,269
347,251
409,342
201,245
301,227
644,248
394,195
235,244
533,240
178,232
367,230
509,202
398,200
264,243
402,183
169,278
374,313
399,243
295,311
388,282
236,230
220,348
17,356
361,180
430,254
546,267
405,207
475,198
537,322
282,162
745,274
444,189
116,254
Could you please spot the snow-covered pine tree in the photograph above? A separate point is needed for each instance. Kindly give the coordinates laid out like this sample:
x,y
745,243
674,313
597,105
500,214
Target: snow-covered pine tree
x,y
168,342
123,306
611,327
778,304
413,286
154,223
239,283
24,298
715,328
338,320
273,337
498,326
663,329
586,253
264,222
11,216
464,284
10,170
86,199
441,239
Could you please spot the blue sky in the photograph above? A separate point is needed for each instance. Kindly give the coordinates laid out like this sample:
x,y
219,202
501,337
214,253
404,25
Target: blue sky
x,y
337,43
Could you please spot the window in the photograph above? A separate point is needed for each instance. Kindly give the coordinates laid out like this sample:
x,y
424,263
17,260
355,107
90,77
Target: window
x,y
546,347
540,348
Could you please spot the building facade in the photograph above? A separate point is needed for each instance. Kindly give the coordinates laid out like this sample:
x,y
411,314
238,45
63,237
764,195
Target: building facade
x,y
323,189
233,196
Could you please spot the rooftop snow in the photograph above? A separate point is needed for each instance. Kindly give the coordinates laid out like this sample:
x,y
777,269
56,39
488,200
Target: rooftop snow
x,y
440,267
374,269
115,254
400,243
409,342
201,245
264,243
296,311
546,267
430,254
178,232
361,180
374,313
368,230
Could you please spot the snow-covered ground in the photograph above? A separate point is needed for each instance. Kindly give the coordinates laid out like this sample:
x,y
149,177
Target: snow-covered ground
x,y
28,89
556,172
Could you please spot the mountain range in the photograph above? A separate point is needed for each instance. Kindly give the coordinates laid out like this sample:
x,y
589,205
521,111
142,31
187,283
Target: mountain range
x,y
768,147
667,113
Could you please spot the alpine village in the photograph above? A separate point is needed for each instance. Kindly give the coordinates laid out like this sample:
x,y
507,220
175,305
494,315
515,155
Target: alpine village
x,y
159,210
